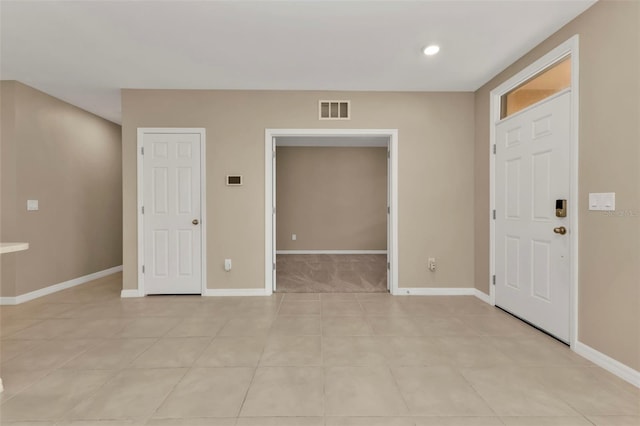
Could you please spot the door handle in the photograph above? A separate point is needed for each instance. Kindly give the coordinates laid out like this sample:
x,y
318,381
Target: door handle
x,y
560,230
195,221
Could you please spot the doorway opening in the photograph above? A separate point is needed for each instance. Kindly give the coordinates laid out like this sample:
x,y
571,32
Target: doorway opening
x,y
330,209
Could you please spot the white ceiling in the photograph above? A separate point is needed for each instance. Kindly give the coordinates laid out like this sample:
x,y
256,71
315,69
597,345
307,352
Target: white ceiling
x,y
85,51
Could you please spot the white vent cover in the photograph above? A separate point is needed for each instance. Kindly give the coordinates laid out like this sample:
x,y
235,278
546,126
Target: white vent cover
x,y
335,110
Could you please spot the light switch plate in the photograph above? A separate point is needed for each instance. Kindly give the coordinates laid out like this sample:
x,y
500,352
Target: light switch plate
x,y
602,201
32,205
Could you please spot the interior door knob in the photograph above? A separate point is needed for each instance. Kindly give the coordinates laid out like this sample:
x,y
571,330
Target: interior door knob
x,y
195,221
560,230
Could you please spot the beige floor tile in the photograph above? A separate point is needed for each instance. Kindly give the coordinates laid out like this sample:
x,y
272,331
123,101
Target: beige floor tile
x,y
12,348
15,382
100,423
362,391
382,307
249,326
131,394
369,421
197,327
514,391
292,351
413,351
110,354
280,421
207,392
10,327
468,305
29,424
443,327
346,326
341,308
50,354
501,324
394,326
355,351
338,297
94,328
587,392
472,351
297,326
534,351
48,329
546,421
424,307
192,422
225,351
458,421
170,352
615,420
286,392
147,327
438,391
300,307
300,296
54,395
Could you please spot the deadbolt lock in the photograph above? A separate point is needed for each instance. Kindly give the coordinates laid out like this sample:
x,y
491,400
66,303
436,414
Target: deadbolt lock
x,y
195,221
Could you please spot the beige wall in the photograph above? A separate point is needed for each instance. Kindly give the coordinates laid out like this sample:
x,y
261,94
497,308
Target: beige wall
x,y
69,160
332,198
435,155
609,161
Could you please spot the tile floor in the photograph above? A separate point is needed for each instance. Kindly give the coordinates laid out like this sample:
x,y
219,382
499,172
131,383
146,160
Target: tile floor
x,y
86,357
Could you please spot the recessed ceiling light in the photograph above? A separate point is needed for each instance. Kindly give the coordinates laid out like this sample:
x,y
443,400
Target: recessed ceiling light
x,y
431,50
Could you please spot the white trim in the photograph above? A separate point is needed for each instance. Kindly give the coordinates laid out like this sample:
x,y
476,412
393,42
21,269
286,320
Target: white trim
x,y
58,287
203,200
568,48
611,365
13,247
482,296
125,294
392,244
331,252
436,291
237,292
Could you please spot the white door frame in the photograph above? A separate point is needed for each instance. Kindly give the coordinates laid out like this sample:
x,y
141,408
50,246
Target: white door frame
x,y
392,241
203,205
568,48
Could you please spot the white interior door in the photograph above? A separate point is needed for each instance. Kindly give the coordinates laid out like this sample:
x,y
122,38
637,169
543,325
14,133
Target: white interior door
x,y
172,213
531,256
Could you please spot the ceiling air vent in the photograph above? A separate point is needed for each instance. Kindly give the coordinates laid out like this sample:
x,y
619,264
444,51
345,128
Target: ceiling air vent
x,y
335,110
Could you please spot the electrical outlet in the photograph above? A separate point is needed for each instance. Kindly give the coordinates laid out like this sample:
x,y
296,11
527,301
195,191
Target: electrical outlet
x,y
432,264
227,265
294,237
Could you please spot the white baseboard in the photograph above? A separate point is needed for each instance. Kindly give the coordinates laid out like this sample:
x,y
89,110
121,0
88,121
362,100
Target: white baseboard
x,y
58,287
621,370
482,296
124,294
237,292
435,291
331,252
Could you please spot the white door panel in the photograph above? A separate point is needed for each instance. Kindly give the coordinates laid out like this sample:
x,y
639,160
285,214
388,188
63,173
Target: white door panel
x,y
532,172
171,196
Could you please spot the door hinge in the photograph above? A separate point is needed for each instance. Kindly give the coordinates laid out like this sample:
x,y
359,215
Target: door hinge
x,y
388,210
142,209
388,154
388,265
494,148
142,150
274,266
143,269
274,210
494,214
274,154
493,280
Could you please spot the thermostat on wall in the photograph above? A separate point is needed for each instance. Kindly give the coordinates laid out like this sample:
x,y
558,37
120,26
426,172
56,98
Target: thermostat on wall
x,y
234,180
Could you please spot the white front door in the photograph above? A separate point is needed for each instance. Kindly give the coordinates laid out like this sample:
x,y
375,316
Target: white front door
x,y
531,255
172,213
